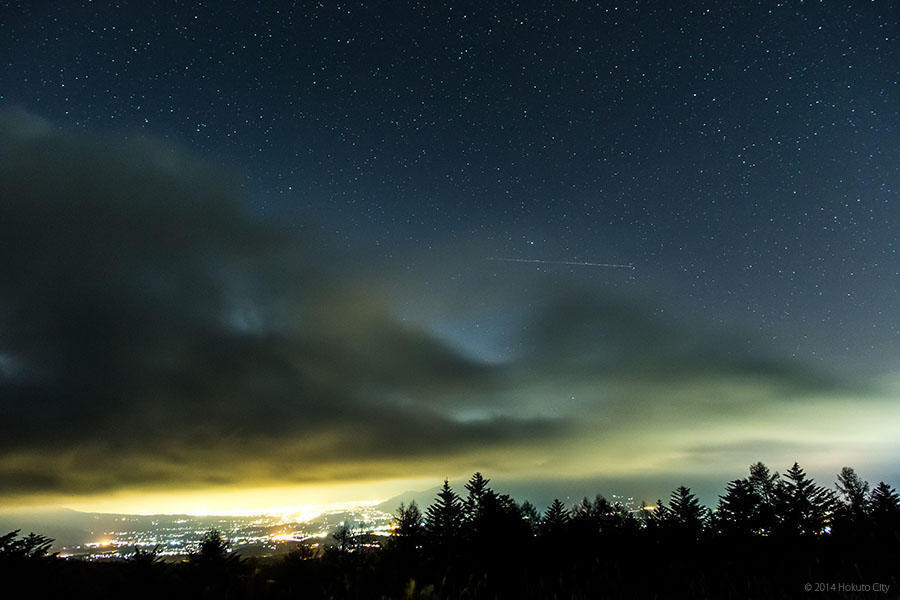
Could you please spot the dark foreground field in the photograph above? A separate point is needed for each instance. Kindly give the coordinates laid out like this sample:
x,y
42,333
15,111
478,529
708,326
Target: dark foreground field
x,y
758,569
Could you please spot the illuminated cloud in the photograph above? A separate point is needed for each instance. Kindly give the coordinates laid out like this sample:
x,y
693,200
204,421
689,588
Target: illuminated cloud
x,y
156,334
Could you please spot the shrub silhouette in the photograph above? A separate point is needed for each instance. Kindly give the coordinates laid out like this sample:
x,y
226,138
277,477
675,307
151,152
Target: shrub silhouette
x,y
30,547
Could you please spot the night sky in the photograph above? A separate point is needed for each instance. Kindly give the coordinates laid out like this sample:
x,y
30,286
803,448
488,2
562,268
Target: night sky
x,y
250,249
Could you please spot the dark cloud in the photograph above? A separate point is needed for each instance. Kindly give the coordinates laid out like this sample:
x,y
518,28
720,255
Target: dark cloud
x,y
148,319
617,338
155,333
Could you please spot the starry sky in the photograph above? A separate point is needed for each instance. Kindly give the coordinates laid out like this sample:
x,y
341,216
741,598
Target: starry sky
x,y
250,247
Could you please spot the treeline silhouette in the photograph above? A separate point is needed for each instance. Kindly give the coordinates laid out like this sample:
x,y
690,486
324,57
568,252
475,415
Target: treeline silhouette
x,y
770,535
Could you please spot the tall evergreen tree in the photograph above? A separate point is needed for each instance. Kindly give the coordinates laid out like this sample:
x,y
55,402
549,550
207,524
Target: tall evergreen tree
x,y
583,511
476,488
215,565
556,517
765,485
498,521
685,513
851,512
805,507
884,511
763,482
854,492
738,512
613,519
600,517
444,518
584,522
408,522
884,500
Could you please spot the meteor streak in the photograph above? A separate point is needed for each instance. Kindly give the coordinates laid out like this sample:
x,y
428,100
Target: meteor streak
x,y
561,262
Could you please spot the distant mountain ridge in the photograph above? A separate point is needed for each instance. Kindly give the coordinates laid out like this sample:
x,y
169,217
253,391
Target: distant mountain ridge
x,y
422,497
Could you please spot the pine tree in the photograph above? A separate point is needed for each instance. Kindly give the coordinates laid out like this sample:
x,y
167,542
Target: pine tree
x,y
498,521
765,485
555,519
684,513
408,522
738,512
763,482
884,510
214,562
444,518
805,507
854,492
583,511
584,522
613,519
851,511
884,500
477,489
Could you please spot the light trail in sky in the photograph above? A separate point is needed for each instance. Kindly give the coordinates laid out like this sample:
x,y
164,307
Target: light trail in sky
x,y
573,263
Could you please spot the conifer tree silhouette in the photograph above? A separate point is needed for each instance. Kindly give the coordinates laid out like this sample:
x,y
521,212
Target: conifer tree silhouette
x,y
496,554
854,492
600,517
685,514
408,521
884,511
215,567
653,518
477,488
497,522
408,530
583,521
739,509
530,516
621,521
763,482
765,485
805,507
583,510
605,515
556,517
884,500
444,518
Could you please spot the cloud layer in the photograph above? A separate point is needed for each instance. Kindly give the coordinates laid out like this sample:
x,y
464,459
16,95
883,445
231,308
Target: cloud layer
x,y
154,333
